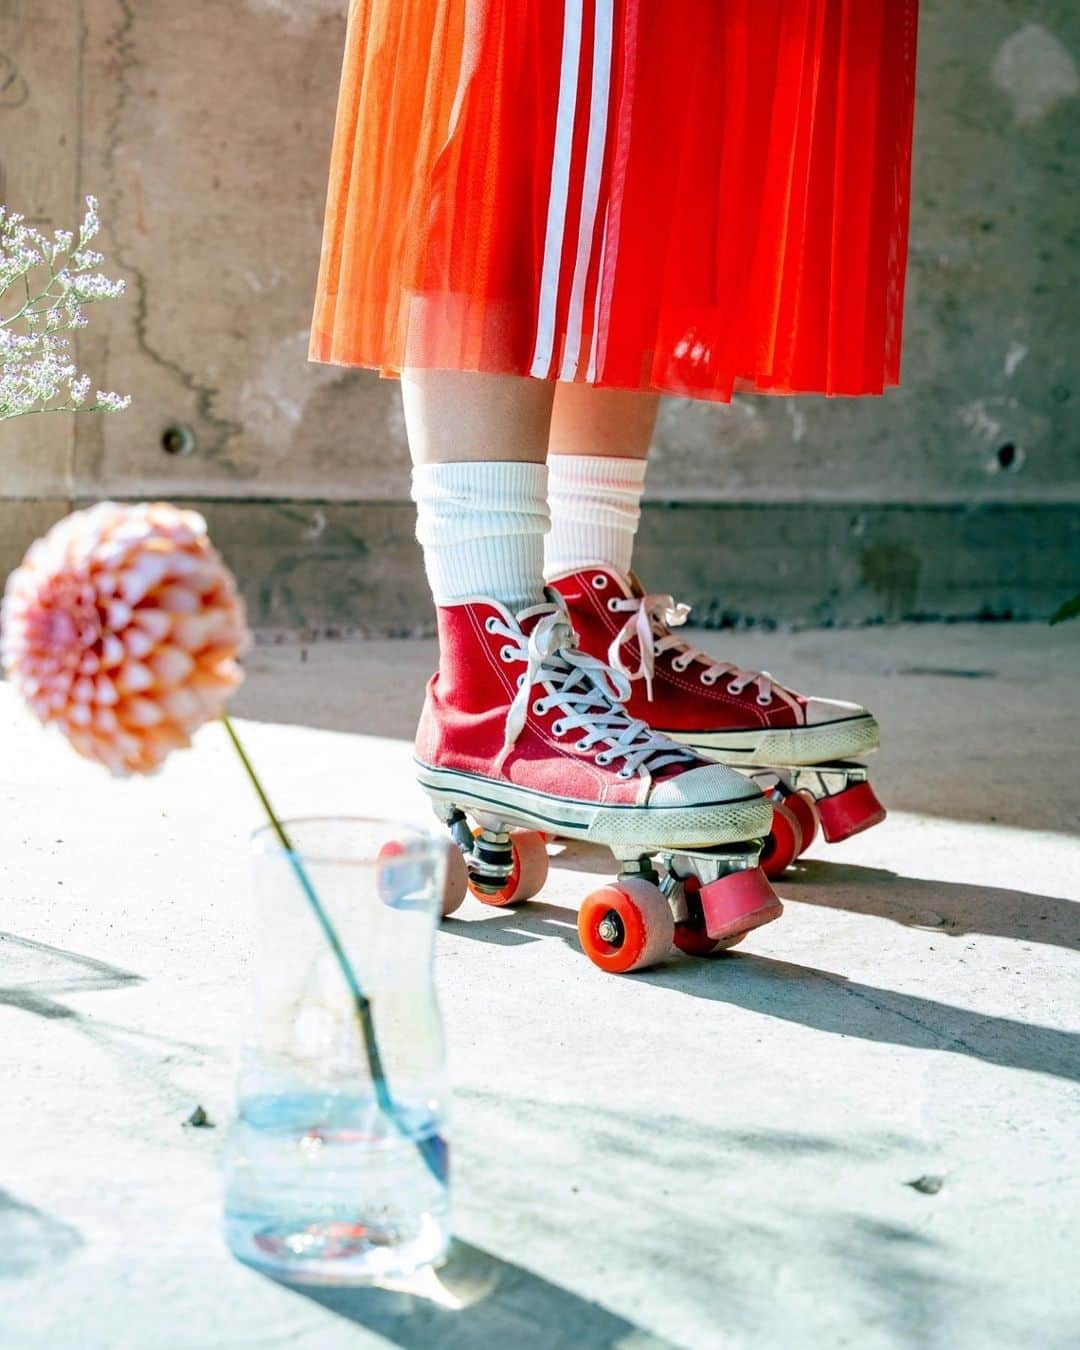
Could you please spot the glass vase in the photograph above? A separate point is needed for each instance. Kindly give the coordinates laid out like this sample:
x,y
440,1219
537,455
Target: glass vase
x,y
336,1161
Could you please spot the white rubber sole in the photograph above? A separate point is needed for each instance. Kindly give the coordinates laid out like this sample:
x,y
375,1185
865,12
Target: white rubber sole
x,y
783,746
730,821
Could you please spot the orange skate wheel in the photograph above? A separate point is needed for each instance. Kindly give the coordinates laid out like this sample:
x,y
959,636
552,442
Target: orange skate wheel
x,y
626,926
529,872
784,842
456,886
801,806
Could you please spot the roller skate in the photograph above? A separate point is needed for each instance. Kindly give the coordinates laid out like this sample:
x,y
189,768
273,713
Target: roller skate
x,y
799,750
524,735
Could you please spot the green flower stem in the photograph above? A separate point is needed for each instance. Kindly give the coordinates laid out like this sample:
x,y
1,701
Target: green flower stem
x,y
64,408
431,1150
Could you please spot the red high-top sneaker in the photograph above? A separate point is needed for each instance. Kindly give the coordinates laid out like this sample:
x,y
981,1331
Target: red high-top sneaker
x,y
739,717
522,728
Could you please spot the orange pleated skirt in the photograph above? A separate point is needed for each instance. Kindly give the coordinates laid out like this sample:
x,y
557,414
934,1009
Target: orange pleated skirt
x,y
689,196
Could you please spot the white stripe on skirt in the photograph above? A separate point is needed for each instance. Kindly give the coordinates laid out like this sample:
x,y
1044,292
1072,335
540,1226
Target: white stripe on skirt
x,y
590,192
559,192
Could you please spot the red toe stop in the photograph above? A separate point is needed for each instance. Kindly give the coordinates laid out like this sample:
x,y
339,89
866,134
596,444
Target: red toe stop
x,y
849,812
738,902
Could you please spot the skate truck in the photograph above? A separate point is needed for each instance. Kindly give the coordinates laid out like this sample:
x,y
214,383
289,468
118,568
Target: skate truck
x,y
837,798
696,900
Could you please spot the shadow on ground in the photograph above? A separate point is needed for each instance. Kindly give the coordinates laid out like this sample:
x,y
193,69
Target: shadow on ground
x,y
48,971
953,909
42,973
478,1299
917,903
30,1238
822,999
892,1271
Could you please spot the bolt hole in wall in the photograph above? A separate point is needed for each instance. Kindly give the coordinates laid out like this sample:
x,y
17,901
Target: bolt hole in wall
x,y
1009,457
178,440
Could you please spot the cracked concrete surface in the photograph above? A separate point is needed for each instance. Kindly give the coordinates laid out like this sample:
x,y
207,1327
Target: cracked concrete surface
x,y
711,1154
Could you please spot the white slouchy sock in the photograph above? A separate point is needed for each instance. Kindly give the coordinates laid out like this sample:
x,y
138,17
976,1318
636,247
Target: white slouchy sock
x,y
482,527
595,509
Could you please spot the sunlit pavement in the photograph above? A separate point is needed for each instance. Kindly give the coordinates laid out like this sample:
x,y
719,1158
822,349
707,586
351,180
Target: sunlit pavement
x,y
712,1153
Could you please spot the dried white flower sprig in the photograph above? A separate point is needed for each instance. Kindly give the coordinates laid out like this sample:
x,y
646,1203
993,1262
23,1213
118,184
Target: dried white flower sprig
x,y
45,286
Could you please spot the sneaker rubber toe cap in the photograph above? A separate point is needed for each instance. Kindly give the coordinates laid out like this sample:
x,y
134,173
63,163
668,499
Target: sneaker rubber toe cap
x,y
707,785
821,711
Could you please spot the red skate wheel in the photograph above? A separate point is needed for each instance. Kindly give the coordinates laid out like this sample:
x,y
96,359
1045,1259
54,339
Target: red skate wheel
x,y
784,842
692,939
626,926
529,871
456,886
735,904
690,935
849,812
801,806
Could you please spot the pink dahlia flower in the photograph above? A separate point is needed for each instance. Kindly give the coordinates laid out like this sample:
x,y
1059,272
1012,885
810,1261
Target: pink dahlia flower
x,y
122,627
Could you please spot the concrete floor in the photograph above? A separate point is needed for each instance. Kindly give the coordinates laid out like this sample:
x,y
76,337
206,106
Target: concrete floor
x,y
709,1154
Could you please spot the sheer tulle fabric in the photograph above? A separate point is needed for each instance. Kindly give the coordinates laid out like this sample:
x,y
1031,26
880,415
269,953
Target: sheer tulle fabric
x,y
691,196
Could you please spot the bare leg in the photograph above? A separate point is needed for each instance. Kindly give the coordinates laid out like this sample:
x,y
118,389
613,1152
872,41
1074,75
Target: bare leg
x,y
612,422
455,416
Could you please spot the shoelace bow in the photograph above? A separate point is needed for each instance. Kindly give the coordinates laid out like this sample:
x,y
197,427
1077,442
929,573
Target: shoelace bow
x,y
588,693
650,621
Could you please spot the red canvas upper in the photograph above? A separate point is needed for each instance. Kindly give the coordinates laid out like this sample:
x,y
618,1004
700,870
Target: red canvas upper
x,y
694,698
464,721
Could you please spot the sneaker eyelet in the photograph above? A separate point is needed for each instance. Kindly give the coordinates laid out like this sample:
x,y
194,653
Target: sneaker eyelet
x,y
613,604
557,728
603,759
521,679
677,663
764,702
624,773
490,623
735,688
706,678
600,581
507,654
540,708
581,746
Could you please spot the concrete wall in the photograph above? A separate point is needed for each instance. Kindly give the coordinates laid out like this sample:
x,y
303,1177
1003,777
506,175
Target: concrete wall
x,y
204,129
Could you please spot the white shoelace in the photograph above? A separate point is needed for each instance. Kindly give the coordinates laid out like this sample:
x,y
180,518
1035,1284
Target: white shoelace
x,y
588,693
651,618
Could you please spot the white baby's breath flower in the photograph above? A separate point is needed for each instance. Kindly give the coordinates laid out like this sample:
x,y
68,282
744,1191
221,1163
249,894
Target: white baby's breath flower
x,y
56,278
